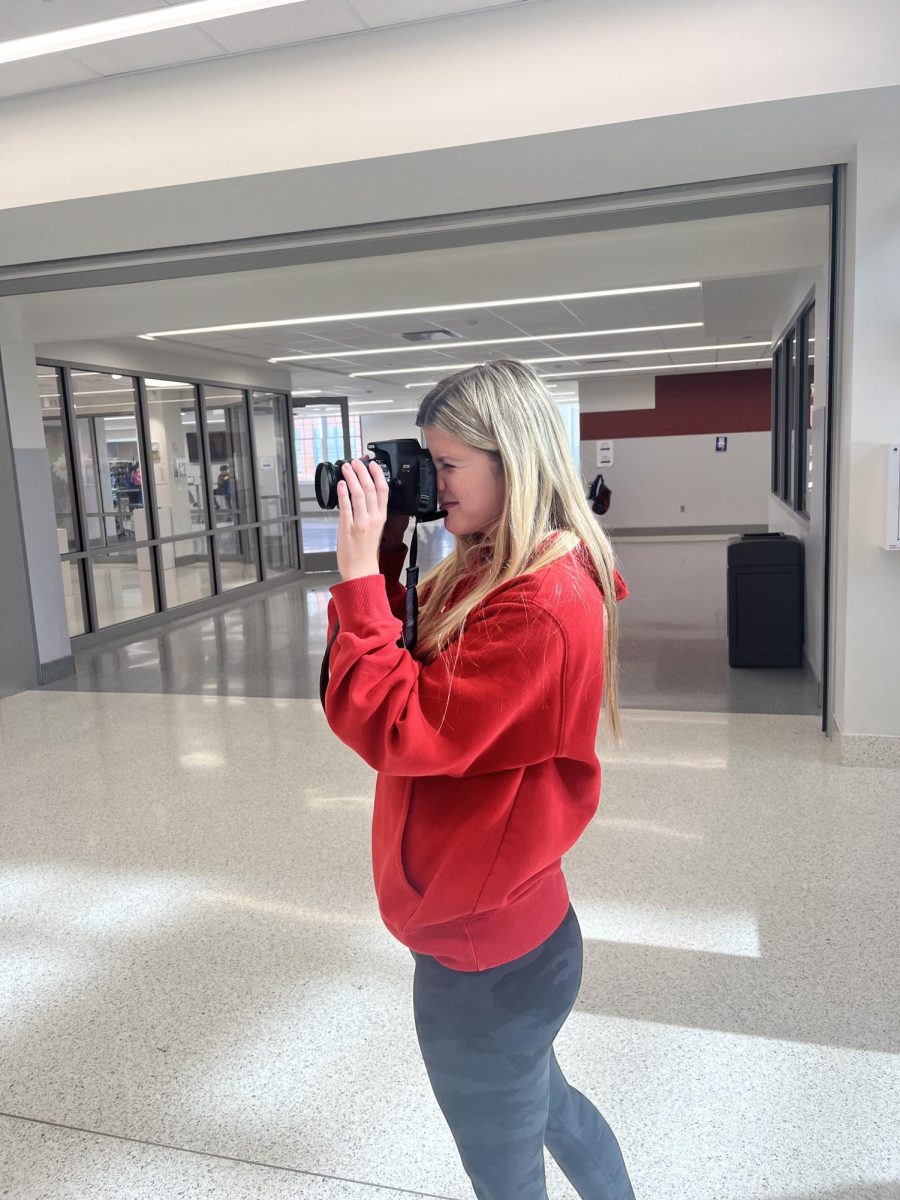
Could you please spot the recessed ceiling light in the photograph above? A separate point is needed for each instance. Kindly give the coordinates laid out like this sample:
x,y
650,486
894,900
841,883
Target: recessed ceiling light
x,y
407,312
431,335
502,341
98,32
561,358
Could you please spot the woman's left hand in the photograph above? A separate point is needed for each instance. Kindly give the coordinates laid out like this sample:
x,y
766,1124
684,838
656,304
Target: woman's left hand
x,y
362,509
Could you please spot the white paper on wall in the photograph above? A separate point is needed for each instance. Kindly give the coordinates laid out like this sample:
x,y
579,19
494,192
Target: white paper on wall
x,y
604,454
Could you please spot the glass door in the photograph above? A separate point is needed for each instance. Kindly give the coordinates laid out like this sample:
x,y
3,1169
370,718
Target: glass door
x,y
322,432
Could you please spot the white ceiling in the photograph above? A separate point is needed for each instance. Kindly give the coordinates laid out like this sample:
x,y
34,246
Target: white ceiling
x,y
730,311
747,266
306,21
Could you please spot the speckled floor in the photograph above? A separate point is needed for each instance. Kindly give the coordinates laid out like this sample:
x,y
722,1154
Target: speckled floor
x,y
198,998
673,652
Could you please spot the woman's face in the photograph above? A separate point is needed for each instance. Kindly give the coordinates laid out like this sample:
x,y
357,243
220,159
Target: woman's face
x,y
471,485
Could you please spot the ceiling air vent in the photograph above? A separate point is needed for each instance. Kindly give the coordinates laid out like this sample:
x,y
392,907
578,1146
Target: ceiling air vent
x,y
431,335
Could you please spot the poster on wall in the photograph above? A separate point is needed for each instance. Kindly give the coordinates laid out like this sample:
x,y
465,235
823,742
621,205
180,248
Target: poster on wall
x,y
721,443
604,454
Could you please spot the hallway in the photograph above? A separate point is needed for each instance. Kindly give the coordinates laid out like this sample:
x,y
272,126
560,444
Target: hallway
x,y
674,649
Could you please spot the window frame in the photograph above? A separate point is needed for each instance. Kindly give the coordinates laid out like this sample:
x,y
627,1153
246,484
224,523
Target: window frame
x,y
790,377
153,544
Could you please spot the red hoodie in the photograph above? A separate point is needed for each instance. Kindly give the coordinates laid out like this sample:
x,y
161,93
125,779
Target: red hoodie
x,y
483,786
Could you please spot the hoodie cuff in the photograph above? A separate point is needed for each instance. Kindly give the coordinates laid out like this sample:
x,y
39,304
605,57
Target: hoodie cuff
x,y
362,606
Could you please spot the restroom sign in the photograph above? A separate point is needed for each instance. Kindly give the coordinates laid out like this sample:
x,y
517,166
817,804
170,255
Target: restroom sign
x,y
721,444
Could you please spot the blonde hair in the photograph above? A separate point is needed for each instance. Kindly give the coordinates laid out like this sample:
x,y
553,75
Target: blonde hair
x,y
502,408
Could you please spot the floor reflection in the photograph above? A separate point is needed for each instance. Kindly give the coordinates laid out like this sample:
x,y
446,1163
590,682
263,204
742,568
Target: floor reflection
x,y
673,650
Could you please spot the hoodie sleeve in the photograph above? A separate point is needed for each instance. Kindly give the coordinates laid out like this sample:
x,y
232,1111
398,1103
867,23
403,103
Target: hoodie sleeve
x,y
502,709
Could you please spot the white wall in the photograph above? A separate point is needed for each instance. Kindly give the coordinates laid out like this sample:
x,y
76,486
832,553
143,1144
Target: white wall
x,y
524,70
653,477
867,674
617,393
388,427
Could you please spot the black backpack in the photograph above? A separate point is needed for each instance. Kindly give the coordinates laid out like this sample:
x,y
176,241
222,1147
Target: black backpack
x,y
600,494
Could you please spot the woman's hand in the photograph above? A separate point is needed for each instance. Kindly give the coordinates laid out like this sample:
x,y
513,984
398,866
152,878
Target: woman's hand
x,y
362,510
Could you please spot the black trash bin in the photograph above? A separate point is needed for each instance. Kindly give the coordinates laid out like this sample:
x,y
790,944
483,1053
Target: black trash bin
x,y
765,601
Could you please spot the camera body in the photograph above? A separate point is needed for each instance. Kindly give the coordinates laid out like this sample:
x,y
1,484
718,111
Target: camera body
x,y
410,474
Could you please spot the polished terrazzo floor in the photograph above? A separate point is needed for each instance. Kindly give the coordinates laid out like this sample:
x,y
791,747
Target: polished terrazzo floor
x,y
674,647
199,999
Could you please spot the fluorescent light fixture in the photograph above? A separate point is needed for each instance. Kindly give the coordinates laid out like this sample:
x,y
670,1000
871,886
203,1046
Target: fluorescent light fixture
x,y
126,391
170,17
500,341
571,358
423,383
354,404
388,412
433,308
308,392
730,362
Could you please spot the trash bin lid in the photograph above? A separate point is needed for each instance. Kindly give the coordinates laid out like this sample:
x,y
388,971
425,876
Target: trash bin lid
x,y
765,549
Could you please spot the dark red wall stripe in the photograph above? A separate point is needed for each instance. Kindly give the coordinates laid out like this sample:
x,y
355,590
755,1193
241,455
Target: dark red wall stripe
x,y
714,402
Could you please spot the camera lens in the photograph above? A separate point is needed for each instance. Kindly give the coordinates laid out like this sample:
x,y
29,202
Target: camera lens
x,y
327,477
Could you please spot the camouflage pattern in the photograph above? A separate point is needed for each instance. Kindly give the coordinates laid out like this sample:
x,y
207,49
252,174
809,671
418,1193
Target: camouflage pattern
x,y
487,1041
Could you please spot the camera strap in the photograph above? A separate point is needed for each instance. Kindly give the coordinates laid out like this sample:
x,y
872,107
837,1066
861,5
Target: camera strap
x,y
410,624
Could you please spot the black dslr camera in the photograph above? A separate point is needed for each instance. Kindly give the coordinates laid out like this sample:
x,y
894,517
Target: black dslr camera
x,y
412,490
410,473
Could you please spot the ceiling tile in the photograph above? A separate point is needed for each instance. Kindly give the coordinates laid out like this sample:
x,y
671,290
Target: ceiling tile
x,y
8,31
39,74
393,12
160,49
279,26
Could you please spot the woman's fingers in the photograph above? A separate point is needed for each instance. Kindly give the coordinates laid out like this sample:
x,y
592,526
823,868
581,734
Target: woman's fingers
x,y
364,489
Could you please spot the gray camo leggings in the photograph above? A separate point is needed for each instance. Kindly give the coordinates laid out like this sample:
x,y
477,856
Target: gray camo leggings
x,y
487,1041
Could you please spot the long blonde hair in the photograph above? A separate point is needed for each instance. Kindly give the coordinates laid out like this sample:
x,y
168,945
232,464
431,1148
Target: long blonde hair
x,y
502,408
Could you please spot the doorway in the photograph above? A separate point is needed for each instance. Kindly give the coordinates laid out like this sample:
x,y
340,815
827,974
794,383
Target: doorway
x,y
321,431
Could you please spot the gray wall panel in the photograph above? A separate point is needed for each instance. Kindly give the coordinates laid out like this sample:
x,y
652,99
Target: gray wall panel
x,y
18,650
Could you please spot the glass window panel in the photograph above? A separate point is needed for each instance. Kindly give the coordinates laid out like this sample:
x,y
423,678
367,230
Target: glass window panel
x,y
58,454
238,558
315,442
806,452
777,396
273,471
319,438
229,456
791,423
123,585
172,409
186,568
105,410
74,594
571,420
279,548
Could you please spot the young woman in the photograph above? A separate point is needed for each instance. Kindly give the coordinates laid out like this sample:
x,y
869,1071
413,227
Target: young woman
x,y
484,742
